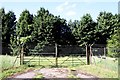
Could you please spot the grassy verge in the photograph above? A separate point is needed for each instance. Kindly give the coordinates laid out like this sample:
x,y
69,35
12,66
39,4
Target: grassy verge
x,y
8,62
15,71
97,71
108,63
102,68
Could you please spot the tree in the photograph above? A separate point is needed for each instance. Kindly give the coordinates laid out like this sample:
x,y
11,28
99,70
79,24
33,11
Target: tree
x,y
62,32
23,31
106,24
43,25
25,24
113,43
87,32
84,30
75,31
2,15
8,29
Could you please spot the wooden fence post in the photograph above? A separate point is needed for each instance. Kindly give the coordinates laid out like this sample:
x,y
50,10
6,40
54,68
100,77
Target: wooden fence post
x,y
22,56
104,51
56,55
88,54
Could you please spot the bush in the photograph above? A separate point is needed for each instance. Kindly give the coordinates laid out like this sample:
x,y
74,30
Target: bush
x,y
114,44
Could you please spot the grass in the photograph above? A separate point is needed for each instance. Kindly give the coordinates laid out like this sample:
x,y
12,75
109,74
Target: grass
x,y
8,62
12,71
62,61
39,75
108,63
97,71
103,68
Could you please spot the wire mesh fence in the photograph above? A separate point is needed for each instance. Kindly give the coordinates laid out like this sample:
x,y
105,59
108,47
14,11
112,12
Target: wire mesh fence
x,y
100,58
68,55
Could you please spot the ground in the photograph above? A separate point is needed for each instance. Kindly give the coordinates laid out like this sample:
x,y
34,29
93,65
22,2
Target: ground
x,y
56,73
102,68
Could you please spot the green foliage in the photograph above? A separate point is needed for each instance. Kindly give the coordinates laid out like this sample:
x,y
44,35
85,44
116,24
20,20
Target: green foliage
x,y
8,26
39,75
114,44
8,62
2,18
61,32
87,29
98,71
114,41
8,29
12,71
24,39
84,30
106,25
43,25
14,45
44,28
23,32
24,24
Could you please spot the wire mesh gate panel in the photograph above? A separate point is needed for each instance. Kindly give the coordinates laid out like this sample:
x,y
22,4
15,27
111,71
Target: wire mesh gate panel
x,y
72,60
44,57
66,56
39,59
71,55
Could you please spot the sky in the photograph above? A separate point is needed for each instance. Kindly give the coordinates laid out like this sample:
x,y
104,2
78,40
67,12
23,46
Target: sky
x,y
67,9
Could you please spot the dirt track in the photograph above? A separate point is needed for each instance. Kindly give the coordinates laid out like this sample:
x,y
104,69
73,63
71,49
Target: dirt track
x,y
56,73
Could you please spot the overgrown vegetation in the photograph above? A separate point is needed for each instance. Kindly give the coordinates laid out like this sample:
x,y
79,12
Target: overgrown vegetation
x,y
18,70
98,71
8,62
114,41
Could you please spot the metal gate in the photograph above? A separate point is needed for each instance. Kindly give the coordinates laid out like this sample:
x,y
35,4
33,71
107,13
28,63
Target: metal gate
x,y
58,55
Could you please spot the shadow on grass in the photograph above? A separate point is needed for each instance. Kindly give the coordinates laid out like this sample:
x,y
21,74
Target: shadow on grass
x,y
52,66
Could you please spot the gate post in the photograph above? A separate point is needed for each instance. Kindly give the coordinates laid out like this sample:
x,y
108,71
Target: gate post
x,y
88,54
22,56
91,54
56,55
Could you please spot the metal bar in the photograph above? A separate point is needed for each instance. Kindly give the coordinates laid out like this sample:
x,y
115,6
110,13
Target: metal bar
x,y
47,59
64,61
80,60
72,59
31,59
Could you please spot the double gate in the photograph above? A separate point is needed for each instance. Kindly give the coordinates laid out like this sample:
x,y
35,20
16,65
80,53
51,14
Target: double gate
x,y
58,55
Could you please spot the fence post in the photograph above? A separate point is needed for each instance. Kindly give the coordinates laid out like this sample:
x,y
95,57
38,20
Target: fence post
x,y
56,55
88,54
22,56
104,51
39,60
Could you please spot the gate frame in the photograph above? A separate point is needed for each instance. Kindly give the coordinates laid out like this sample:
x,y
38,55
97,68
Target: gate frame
x,y
88,54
